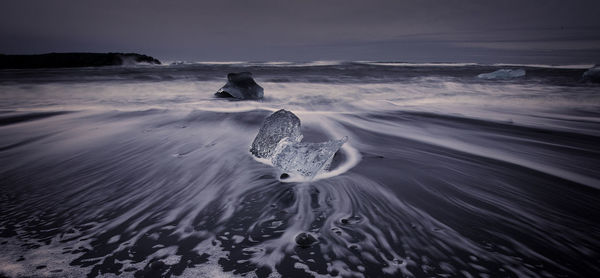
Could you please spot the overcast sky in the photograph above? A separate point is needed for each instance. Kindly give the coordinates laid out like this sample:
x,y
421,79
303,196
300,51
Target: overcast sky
x,y
535,31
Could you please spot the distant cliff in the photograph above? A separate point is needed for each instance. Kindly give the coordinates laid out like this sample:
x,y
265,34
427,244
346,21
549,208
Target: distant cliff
x,y
68,60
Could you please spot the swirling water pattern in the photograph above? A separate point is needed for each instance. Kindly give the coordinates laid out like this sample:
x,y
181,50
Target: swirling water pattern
x,y
141,172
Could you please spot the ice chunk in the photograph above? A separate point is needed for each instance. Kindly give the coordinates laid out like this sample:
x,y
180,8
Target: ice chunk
x,y
279,141
503,74
592,74
279,125
305,159
241,86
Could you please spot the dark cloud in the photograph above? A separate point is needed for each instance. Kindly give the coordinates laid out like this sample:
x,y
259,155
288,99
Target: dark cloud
x,y
451,30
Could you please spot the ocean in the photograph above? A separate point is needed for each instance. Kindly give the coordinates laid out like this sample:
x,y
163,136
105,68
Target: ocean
x,y
139,171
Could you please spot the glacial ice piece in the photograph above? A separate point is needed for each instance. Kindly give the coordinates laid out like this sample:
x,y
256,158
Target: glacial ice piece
x,y
279,140
305,159
279,125
592,74
241,86
503,74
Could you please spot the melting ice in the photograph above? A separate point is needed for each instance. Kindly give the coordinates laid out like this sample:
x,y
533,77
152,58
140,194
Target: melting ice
x,y
503,74
305,159
279,140
279,125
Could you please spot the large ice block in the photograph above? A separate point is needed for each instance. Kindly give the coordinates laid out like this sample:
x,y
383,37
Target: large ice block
x,y
306,159
279,125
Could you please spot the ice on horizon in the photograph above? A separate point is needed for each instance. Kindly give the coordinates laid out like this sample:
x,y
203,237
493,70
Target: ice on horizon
x,y
503,74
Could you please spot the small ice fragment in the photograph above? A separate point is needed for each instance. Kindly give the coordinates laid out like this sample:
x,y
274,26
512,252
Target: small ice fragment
x,y
237,239
114,239
277,126
503,74
305,159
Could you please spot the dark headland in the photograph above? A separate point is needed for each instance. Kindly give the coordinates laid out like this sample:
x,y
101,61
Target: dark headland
x,y
72,60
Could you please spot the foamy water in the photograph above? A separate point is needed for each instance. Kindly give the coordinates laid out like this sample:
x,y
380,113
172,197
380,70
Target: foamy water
x,y
142,172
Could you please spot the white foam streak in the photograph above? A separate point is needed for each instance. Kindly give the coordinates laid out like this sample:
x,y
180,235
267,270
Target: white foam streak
x,y
467,147
334,131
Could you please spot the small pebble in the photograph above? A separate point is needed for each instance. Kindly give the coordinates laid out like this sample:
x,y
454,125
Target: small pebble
x,y
305,240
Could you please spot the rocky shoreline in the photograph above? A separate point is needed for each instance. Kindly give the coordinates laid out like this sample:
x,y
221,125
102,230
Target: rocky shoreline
x,y
72,60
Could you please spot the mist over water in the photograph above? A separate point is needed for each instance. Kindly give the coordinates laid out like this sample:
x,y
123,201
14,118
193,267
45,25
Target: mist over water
x,y
140,171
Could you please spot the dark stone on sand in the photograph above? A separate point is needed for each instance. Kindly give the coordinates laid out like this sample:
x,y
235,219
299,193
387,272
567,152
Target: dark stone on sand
x,y
354,246
158,265
305,240
240,86
350,220
73,60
